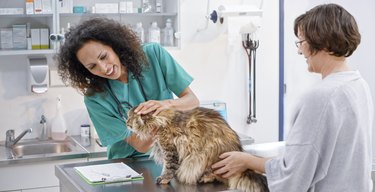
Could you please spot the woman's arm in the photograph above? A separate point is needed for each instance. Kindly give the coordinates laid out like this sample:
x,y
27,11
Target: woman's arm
x,y
140,145
187,100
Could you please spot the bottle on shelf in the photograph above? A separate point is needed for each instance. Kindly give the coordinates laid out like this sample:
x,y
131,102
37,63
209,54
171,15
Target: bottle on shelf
x,y
168,37
58,126
154,33
139,31
148,6
158,6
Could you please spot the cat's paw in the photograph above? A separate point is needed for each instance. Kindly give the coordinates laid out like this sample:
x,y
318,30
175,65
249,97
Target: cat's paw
x,y
207,178
162,181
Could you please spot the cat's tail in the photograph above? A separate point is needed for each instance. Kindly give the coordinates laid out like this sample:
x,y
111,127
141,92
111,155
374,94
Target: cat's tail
x,y
249,181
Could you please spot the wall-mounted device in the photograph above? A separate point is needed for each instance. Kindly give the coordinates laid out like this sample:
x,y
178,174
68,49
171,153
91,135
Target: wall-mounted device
x,y
38,74
235,10
230,9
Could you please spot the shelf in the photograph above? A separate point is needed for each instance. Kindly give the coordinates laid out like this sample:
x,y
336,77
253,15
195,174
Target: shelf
x,y
25,15
117,14
26,52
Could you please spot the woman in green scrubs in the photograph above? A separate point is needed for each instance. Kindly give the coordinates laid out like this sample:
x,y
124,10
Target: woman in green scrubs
x,y
105,61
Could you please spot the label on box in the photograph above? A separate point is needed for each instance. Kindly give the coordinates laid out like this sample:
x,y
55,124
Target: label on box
x,y
106,7
46,6
19,37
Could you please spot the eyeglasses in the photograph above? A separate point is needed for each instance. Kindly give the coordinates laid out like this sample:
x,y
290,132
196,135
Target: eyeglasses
x,y
299,43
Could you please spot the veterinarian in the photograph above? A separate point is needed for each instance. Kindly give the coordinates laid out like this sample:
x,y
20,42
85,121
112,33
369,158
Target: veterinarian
x,y
105,61
328,148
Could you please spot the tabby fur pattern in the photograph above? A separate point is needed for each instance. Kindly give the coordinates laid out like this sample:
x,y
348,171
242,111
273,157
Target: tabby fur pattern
x,y
187,143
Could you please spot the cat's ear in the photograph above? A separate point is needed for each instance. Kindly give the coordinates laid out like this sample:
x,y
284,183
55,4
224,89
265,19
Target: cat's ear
x,y
147,117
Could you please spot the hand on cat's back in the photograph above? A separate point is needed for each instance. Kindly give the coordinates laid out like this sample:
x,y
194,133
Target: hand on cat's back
x,y
232,163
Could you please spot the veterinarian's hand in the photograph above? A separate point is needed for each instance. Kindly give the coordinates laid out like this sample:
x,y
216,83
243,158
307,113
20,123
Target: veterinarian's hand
x,y
152,105
233,163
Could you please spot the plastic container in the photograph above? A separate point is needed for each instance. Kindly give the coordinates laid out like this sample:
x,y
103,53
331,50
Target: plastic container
x,y
85,130
168,38
140,32
159,6
154,33
148,6
58,126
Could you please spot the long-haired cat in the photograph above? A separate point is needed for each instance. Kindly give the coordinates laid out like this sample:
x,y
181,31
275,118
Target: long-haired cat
x,y
187,143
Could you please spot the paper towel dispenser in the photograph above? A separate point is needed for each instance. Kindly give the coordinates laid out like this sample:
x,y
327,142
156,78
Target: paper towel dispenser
x,y
38,75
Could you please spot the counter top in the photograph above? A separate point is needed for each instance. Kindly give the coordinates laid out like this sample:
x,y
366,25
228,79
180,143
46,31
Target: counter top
x,y
87,148
71,181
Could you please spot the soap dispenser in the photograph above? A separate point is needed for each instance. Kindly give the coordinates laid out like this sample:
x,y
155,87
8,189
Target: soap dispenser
x,y
58,126
38,75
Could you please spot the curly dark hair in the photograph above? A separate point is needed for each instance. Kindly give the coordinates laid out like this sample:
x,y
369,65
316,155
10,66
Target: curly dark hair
x,y
330,27
120,38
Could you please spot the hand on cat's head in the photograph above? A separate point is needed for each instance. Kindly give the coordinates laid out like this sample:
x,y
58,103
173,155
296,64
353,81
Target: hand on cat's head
x,y
152,106
147,124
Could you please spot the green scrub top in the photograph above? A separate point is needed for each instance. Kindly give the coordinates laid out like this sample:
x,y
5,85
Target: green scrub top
x,y
164,77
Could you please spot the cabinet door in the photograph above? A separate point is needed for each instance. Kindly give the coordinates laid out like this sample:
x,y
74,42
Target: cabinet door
x,y
31,175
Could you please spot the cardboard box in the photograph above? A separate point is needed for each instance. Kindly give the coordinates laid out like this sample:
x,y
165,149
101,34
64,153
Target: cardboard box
x,y
19,37
106,8
46,6
65,6
29,7
44,38
35,38
11,11
6,38
38,8
122,7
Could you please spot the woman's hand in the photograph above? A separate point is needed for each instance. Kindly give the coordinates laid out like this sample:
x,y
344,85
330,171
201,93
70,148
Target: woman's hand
x,y
152,105
236,162
186,101
232,163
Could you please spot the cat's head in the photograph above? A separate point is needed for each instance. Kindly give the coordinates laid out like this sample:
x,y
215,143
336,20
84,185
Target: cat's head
x,y
144,124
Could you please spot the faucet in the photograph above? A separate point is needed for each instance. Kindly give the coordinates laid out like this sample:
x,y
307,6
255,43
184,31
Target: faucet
x,y
43,132
10,141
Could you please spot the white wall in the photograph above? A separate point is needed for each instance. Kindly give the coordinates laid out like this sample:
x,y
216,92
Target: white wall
x,y
216,59
297,77
218,65
19,109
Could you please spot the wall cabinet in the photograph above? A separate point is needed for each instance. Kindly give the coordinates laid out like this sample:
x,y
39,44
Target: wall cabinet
x,y
59,19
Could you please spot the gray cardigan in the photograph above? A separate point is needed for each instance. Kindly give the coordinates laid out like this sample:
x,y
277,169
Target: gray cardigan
x,y
329,147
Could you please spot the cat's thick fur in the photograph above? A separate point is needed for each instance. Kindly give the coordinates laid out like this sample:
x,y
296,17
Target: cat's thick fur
x,y
188,143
